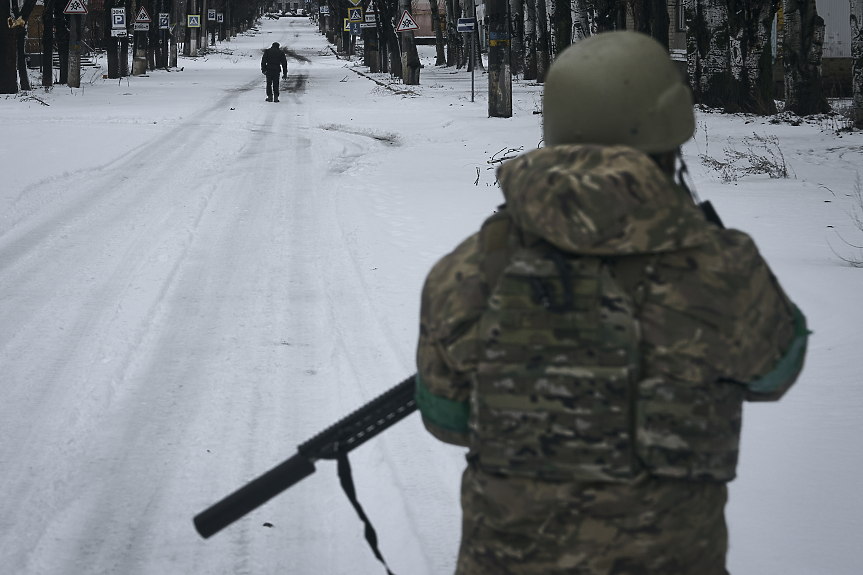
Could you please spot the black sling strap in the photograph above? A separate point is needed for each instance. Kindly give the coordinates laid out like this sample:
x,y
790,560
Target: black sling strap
x,y
347,482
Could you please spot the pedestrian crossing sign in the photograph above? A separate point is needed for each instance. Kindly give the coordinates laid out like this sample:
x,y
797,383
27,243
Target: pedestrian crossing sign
x,y
355,14
75,7
407,23
143,16
194,21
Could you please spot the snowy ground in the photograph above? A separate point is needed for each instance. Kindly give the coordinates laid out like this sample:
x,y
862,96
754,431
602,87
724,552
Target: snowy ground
x,y
193,281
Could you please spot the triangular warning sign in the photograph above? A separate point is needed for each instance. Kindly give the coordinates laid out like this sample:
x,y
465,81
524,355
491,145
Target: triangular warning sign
x,y
407,23
75,7
371,7
142,15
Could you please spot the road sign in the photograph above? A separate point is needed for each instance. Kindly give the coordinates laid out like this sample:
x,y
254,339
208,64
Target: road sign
x,y
368,25
119,33
325,9
194,21
164,18
142,26
371,17
142,16
355,14
347,26
211,15
356,2
466,25
118,18
220,17
75,7
355,28
407,23
371,7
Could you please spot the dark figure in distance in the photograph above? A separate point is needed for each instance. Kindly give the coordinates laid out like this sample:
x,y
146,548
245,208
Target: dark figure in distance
x,y
272,62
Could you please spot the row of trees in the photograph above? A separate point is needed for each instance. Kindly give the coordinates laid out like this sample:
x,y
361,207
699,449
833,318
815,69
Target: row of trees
x,y
728,43
152,49
729,50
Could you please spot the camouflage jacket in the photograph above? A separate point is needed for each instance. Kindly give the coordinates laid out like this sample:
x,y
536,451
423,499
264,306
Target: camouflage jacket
x,y
713,325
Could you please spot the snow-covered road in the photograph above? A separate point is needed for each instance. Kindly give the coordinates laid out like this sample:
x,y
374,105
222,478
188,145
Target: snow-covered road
x,y
194,281
174,322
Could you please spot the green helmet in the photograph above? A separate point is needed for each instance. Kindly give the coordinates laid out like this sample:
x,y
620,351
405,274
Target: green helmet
x,y
617,88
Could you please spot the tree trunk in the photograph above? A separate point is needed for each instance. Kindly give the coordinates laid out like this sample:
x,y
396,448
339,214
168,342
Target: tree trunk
x,y
582,11
729,55
440,58
48,44
562,25
801,58
499,73
857,60
62,36
543,55
451,34
516,21
19,29
530,39
8,51
410,57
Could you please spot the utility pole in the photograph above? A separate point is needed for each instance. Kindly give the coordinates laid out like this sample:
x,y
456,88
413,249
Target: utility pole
x,y
499,71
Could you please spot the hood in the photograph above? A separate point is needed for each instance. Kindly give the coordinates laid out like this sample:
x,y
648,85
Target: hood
x,y
600,200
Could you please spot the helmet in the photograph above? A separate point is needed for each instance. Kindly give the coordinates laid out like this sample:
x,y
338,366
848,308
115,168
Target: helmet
x,y
617,88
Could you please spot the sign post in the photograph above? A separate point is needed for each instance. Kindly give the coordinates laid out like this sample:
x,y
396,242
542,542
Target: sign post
x,y
142,24
469,25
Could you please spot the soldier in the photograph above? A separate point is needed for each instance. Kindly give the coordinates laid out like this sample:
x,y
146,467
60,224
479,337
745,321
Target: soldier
x,y
272,62
594,342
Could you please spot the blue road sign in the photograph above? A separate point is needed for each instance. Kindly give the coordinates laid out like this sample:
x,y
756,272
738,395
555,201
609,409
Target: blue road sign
x,y
466,25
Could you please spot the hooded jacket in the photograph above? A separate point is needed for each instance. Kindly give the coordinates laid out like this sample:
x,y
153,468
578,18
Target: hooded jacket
x,y
274,60
714,326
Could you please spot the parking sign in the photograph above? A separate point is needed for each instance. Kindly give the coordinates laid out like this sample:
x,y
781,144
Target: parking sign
x,y
118,18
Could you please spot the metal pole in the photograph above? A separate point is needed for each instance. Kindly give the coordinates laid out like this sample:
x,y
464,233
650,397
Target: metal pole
x,y
472,59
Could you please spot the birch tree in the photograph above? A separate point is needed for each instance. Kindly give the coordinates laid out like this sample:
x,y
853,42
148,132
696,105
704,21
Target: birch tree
x,y
801,58
857,60
729,54
582,16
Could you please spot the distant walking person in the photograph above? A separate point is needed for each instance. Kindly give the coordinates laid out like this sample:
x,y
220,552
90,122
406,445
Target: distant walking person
x,y
272,62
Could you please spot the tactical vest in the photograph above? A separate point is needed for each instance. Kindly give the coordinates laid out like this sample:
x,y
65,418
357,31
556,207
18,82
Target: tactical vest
x,y
554,389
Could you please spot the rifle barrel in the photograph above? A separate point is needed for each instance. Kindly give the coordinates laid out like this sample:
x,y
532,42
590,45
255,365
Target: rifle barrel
x,y
253,495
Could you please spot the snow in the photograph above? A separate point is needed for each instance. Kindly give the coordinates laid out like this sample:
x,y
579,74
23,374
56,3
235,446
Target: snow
x,y
193,281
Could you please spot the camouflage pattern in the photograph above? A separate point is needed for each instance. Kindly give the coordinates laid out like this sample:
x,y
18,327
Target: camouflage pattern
x,y
519,526
711,318
552,390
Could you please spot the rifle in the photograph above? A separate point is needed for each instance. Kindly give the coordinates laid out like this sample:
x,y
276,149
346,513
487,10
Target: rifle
x,y
332,443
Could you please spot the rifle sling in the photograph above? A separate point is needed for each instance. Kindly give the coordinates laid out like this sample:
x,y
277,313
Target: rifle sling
x,y
347,482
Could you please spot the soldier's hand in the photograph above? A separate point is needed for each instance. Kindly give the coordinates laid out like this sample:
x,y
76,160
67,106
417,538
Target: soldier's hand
x,y
284,76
